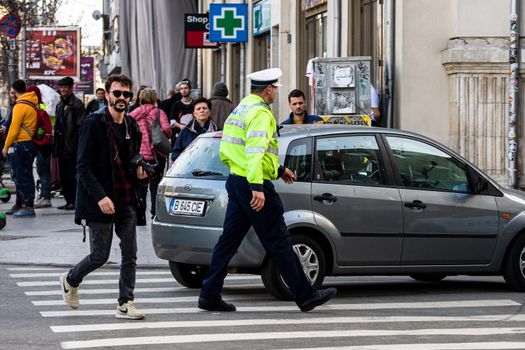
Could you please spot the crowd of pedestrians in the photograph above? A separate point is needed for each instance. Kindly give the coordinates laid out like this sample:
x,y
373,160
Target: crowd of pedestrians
x,y
107,161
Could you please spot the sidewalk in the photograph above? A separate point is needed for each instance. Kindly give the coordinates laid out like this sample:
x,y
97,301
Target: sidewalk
x,y
52,238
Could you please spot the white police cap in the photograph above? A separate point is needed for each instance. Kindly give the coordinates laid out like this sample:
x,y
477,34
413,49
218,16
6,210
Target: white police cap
x,y
265,77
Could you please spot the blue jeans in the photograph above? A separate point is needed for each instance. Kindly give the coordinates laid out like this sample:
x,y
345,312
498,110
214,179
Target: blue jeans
x,y
101,235
25,153
43,164
272,232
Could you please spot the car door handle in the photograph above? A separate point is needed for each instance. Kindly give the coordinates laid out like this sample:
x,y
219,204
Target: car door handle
x,y
326,197
416,204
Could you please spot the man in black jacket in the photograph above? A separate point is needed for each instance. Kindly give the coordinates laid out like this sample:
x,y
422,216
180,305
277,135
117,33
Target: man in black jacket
x,y
69,116
97,103
107,194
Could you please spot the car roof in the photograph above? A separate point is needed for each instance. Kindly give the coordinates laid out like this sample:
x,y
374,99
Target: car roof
x,y
307,130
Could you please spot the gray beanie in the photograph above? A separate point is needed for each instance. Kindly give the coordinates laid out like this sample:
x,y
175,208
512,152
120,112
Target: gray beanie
x,y
220,89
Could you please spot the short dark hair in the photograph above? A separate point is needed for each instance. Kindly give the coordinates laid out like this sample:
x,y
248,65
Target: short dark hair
x,y
99,89
122,79
201,100
257,89
67,81
296,93
19,86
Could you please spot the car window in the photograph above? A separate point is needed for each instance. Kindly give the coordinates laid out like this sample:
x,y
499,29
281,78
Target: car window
x,y
424,166
299,159
349,160
200,159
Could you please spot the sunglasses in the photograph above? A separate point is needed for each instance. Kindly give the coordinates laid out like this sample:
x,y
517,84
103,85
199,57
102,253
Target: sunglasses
x,y
118,93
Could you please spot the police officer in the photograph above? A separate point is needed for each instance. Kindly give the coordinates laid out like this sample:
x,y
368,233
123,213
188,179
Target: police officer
x,y
249,148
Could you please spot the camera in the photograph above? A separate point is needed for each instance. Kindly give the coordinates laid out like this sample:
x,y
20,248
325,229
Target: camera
x,y
138,160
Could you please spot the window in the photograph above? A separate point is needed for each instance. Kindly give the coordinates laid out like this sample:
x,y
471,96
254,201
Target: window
x,y
423,166
349,160
299,159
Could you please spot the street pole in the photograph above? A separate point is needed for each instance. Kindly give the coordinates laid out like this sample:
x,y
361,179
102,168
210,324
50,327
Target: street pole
x,y
389,61
514,60
24,46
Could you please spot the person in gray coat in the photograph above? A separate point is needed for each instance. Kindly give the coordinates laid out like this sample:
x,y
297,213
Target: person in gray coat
x,y
221,106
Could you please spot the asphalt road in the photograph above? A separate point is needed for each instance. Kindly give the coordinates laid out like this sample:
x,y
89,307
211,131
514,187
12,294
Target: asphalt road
x,y
384,313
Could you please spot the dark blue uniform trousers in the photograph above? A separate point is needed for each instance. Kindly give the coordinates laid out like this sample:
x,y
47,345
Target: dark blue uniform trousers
x,y
272,232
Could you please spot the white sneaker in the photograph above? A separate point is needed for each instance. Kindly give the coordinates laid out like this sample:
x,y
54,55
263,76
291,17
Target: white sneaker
x,y
70,294
129,311
43,203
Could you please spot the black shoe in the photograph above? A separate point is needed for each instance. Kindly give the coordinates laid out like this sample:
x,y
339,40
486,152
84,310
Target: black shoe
x,y
220,305
320,297
70,206
63,207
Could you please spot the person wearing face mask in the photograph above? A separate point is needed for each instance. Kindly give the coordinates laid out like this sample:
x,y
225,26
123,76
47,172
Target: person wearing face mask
x,y
69,115
107,198
200,124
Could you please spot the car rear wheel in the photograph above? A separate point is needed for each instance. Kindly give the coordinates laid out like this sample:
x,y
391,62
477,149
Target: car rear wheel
x,y
514,268
312,259
190,276
428,277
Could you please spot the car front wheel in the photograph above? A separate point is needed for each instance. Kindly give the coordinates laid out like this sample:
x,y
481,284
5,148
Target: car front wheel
x,y
514,268
190,276
312,259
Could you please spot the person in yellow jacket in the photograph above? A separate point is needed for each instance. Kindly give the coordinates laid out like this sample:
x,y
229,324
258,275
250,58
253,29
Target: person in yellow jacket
x,y
23,126
249,147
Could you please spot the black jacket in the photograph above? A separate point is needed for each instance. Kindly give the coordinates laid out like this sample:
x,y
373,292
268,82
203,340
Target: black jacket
x,y
92,106
188,134
96,166
69,116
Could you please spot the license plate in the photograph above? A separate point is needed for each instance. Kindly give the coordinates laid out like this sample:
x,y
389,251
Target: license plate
x,y
187,207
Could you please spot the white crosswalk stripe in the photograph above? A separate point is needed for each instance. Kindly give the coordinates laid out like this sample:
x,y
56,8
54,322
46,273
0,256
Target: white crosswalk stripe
x,y
452,321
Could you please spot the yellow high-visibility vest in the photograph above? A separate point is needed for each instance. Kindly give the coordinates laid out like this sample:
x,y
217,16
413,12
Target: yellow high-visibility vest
x,y
249,145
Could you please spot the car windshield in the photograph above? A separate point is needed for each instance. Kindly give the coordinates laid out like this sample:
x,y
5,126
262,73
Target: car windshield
x,y
200,159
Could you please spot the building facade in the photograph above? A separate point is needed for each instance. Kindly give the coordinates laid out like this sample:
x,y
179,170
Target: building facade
x,y
449,63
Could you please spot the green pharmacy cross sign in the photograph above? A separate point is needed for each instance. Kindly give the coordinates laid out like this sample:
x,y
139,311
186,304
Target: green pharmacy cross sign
x,y
228,22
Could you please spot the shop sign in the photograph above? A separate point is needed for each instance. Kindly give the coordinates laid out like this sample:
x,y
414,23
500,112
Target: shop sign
x,y
261,17
197,31
87,76
53,53
228,22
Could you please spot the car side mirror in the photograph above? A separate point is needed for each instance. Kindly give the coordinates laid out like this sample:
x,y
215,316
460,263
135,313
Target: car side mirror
x,y
482,184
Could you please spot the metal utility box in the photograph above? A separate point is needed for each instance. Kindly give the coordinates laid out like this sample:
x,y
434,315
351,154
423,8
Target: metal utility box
x,y
341,90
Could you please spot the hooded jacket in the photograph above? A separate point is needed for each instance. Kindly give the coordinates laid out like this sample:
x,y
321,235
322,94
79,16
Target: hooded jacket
x,y
145,115
221,107
22,114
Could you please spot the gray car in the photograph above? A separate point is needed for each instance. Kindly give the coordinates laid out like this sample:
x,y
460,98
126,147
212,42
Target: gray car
x,y
367,201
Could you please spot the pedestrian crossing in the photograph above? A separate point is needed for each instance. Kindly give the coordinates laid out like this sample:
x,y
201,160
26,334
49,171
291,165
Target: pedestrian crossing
x,y
351,321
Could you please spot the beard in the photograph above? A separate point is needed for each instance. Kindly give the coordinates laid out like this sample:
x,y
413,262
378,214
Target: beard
x,y
119,109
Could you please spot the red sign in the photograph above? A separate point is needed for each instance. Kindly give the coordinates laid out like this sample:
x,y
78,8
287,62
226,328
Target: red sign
x,y
53,52
197,31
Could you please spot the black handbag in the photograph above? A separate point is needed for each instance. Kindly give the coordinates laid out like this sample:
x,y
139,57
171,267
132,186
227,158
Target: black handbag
x,y
161,143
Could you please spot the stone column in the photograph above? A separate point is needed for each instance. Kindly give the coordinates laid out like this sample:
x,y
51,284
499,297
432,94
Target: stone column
x,y
478,71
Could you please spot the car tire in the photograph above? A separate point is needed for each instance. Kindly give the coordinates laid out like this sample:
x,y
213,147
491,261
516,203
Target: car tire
x,y
428,277
514,268
190,276
316,261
